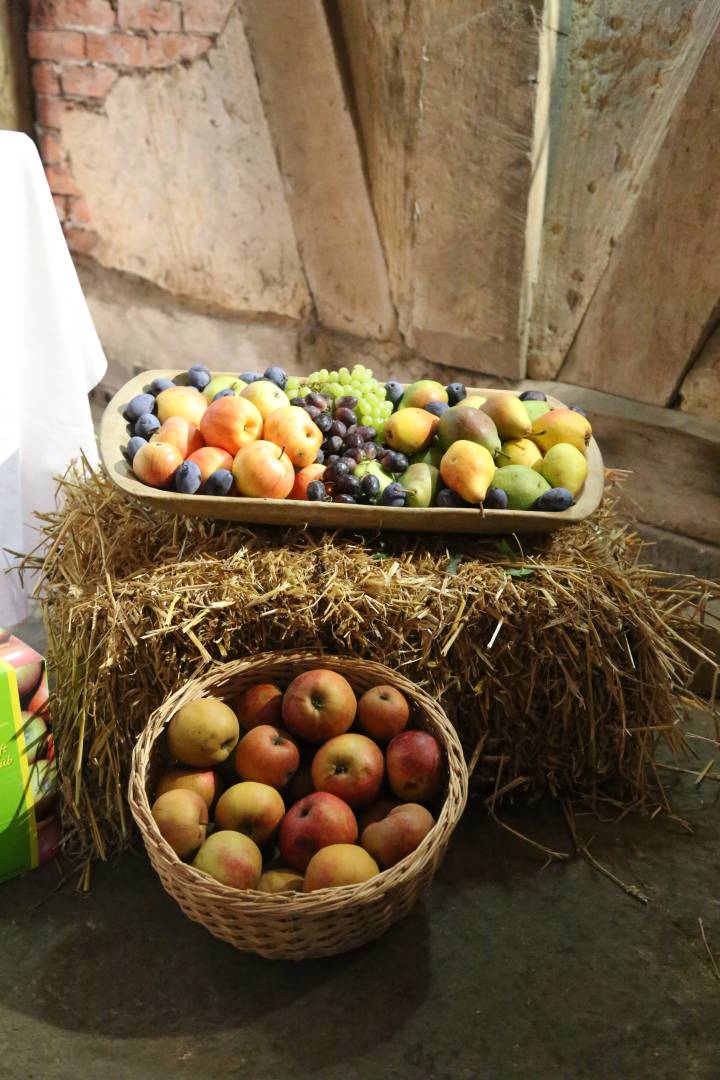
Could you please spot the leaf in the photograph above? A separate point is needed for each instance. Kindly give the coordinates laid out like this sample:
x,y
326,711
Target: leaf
x,y
505,549
380,555
520,573
452,566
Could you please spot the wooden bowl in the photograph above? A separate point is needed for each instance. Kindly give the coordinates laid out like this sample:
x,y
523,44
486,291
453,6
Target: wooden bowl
x,y
289,512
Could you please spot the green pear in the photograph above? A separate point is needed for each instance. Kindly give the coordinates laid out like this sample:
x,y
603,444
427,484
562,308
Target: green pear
x,y
431,456
521,484
218,383
419,394
471,424
510,416
421,482
373,468
565,466
536,408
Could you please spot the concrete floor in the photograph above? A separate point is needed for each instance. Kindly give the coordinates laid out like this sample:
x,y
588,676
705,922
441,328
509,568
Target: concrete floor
x,y
508,968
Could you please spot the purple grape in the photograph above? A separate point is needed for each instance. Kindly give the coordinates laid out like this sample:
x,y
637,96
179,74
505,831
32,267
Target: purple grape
x,y
320,458
354,440
370,486
338,428
340,469
348,485
140,404
368,432
316,491
332,460
355,454
298,401
347,402
455,392
318,400
351,430
146,425
335,444
218,483
198,376
312,411
342,498
370,451
346,416
324,422
133,446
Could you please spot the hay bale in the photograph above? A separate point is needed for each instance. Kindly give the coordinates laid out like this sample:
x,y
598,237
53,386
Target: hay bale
x,y
562,663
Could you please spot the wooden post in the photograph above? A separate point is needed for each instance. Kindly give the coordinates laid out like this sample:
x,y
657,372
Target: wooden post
x,y
15,95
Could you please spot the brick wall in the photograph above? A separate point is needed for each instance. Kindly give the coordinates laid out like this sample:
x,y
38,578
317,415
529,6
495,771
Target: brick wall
x,y
79,48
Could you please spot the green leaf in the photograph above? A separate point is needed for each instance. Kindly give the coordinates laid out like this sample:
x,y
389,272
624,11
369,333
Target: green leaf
x,y
505,549
452,566
380,555
525,572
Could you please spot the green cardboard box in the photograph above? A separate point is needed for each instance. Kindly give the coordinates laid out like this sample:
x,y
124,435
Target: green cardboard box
x,y
29,827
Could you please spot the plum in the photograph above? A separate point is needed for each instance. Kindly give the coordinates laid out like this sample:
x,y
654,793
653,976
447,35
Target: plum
x,y
437,408
533,395
276,375
218,483
188,478
133,446
394,393
138,406
198,376
158,385
146,425
495,499
554,501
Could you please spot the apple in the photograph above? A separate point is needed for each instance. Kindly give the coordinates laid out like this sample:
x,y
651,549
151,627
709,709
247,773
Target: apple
x,y
268,755
230,423
204,782
251,808
49,839
312,823
184,401
38,700
395,836
29,670
263,471
180,433
203,732
351,767
182,817
377,811
300,785
292,428
209,459
156,462
265,396
304,478
43,780
339,864
281,880
383,713
231,858
318,705
260,704
415,766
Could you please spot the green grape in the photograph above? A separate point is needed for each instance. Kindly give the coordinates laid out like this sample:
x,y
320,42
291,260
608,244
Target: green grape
x,y
387,409
344,373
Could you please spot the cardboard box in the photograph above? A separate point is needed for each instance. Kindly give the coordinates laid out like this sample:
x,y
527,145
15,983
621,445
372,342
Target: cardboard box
x,y
29,826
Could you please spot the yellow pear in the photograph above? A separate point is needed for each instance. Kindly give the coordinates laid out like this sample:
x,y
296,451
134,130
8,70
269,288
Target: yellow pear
x,y
468,469
519,452
473,401
562,426
510,416
565,466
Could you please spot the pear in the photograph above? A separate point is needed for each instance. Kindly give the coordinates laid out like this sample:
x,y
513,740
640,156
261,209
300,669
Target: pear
x,y
218,383
472,424
468,469
420,482
519,452
564,466
536,408
521,484
473,401
419,394
510,416
410,430
431,456
562,426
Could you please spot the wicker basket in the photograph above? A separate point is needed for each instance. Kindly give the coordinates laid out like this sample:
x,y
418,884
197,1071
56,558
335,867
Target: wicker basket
x,y
297,925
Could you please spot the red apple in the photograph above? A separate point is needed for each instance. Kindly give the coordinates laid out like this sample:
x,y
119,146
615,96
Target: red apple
x,y
377,811
28,666
318,705
182,818
395,836
268,755
203,732
231,858
315,822
251,808
351,767
415,766
339,864
304,478
292,428
262,470
300,785
261,704
156,462
383,713
204,782
49,839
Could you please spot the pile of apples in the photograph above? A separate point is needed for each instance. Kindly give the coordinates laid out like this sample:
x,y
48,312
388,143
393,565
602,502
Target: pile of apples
x,y
334,796
434,445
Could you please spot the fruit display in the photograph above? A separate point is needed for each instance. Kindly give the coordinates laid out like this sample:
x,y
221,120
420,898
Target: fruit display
x,y
331,792
343,437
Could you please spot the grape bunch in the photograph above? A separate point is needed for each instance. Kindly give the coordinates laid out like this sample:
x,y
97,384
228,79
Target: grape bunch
x,y
372,407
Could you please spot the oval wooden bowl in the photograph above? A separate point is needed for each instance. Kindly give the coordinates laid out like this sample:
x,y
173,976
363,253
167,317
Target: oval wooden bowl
x,y
296,926
288,512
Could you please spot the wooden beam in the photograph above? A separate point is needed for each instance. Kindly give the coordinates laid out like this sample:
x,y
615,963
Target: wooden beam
x,y
15,93
659,291
624,71
320,161
446,96
700,389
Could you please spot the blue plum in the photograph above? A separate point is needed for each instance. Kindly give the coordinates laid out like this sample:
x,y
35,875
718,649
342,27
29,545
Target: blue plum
x,y
554,500
456,392
188,478
218,483
146,425
133,446
198,376
140,404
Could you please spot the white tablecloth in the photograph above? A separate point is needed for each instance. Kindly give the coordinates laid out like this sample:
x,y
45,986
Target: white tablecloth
x,y
50,358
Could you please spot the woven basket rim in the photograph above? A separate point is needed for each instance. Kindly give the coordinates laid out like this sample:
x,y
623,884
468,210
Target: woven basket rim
x,y
252,900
